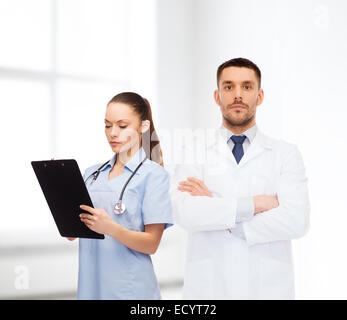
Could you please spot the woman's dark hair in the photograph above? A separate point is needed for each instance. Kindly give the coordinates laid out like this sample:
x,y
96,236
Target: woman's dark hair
x,y
242,63
150,140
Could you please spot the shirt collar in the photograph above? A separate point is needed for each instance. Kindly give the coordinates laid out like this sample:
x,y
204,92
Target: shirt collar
x,y
249,133
134,161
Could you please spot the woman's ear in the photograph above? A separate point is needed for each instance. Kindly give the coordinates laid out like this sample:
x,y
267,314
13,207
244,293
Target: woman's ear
x,y
145,125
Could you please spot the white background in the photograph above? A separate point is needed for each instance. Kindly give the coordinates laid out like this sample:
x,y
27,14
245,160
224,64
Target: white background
x,y
61,62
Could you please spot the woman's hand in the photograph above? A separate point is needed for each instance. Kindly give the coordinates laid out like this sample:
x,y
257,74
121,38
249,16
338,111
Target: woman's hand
x,y
98,220
146,242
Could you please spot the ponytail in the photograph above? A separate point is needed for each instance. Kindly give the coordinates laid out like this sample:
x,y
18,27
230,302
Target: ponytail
x,y
153,151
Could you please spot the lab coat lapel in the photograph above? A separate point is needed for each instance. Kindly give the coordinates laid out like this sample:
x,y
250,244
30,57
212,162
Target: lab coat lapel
x,y
219,147
259,145
219,156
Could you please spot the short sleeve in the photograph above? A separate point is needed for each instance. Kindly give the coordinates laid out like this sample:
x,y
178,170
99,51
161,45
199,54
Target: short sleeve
x,y
85,175
87,172
156,205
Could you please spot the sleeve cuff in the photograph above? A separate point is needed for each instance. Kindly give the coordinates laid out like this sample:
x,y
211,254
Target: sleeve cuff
x,y
244,209
238,231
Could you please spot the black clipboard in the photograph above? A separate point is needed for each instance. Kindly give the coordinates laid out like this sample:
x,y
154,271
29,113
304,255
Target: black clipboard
x,y
62,184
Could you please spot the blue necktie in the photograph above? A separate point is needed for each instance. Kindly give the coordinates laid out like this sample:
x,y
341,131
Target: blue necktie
x,y
238,149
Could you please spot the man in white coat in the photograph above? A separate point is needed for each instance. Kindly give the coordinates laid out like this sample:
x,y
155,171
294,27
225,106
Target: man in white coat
x,y
244,203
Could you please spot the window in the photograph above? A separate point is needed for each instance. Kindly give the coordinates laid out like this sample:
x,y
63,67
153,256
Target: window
x,y
60,63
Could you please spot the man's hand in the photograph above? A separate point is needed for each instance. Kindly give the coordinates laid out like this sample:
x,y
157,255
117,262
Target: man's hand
x,y
264,203
195,187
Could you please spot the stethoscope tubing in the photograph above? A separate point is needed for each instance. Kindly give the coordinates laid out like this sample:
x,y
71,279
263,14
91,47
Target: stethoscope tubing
x,y
96,173
126,183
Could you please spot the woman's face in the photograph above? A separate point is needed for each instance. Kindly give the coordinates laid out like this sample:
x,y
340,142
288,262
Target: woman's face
x,y
123,127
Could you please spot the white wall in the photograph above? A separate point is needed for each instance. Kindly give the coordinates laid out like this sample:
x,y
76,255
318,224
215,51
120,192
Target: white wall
x,y
174,64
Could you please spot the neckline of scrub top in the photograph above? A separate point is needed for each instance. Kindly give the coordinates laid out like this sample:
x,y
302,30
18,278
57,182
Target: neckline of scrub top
x,y
133,162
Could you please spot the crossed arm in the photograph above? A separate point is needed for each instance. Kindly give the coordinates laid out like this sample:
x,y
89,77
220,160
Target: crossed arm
x,y
196,187
283,217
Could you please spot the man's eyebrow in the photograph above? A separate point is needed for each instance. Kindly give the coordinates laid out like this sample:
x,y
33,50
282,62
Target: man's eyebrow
x,y
231,82
248,81
227,82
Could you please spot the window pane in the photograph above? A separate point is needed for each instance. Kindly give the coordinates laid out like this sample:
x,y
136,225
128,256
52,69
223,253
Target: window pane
x,y
25,132
25,28
92,37
80,122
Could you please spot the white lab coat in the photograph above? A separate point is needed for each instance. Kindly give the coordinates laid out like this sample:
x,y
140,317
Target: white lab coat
x,y
220,264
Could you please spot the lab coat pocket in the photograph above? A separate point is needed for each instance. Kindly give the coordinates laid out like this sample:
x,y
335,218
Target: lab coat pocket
x,y
198,282
276,279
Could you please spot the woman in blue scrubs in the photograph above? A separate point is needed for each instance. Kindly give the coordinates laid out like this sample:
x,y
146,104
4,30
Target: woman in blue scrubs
x,y
120,266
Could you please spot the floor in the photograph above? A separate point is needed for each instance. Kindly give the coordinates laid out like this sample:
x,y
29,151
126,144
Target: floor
x,y
172,292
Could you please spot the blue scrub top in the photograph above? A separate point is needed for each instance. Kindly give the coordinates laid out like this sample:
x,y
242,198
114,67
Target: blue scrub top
x,y
107,268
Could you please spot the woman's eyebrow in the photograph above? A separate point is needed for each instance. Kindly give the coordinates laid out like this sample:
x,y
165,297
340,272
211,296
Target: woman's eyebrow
x,y
121,120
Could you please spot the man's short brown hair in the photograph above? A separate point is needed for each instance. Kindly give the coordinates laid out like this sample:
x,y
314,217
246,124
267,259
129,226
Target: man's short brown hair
x,y
242,63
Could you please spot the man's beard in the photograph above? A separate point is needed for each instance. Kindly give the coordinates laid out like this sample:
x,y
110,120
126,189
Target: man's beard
x,y
239,122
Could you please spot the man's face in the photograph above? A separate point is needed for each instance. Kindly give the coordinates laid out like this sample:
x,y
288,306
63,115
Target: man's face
x,y
238,95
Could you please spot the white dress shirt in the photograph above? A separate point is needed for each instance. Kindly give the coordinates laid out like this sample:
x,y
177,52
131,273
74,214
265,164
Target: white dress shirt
x,y
245,205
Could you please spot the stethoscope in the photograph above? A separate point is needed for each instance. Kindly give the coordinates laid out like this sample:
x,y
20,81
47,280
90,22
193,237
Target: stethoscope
x,y
119,207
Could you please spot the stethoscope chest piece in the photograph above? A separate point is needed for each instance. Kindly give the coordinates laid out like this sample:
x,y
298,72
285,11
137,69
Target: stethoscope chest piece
x,y
119,207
